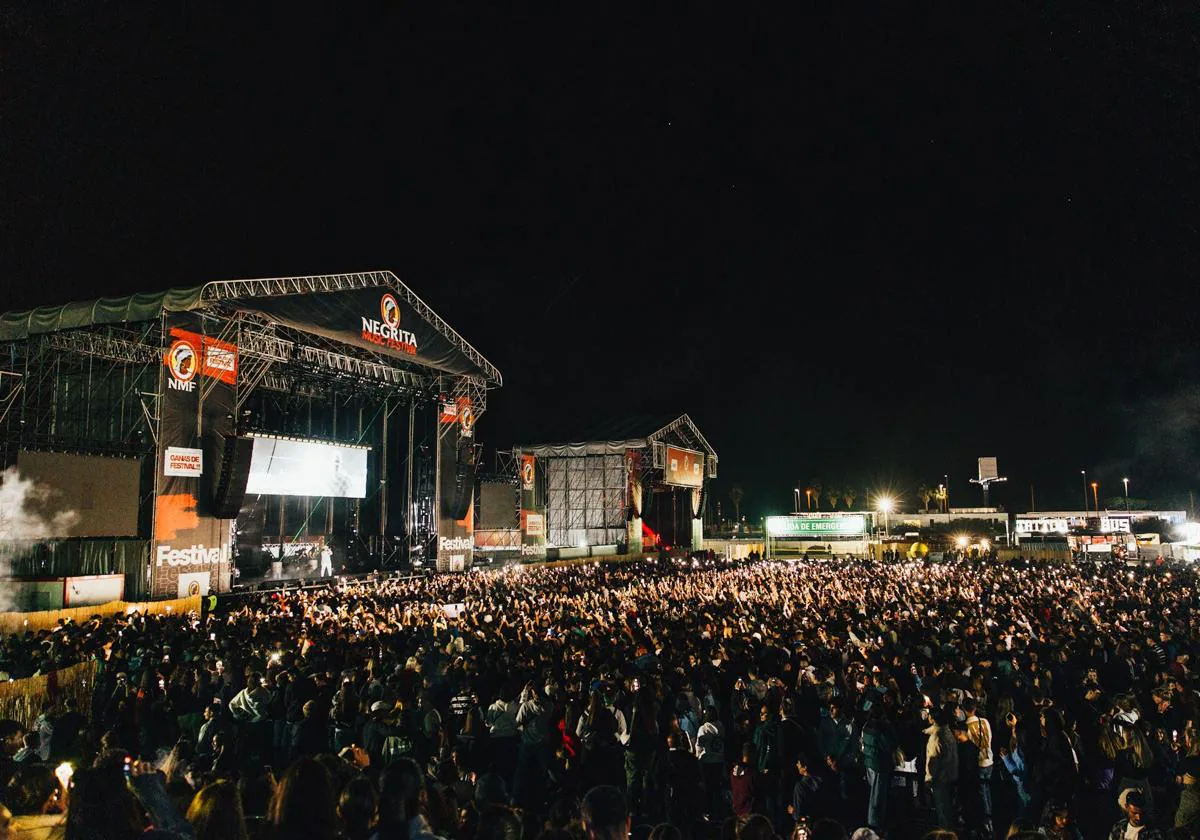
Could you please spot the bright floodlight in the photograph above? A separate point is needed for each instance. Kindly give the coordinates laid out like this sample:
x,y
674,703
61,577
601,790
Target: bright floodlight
x,y
962,541
886,504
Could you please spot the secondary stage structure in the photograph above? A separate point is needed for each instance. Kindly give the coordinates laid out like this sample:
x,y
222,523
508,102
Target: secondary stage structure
x,y
603,490
141,422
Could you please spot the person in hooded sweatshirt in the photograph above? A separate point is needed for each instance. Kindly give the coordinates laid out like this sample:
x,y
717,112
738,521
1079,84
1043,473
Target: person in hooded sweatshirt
x,y
710,749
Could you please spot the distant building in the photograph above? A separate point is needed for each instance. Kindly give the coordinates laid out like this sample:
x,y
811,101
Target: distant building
x,y
1063,522
927,519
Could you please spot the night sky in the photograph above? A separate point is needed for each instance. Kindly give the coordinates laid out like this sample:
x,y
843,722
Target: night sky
x,y
862,248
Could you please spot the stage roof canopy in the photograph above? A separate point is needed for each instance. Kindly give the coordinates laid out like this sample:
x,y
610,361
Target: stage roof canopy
x,y
372,311
636,432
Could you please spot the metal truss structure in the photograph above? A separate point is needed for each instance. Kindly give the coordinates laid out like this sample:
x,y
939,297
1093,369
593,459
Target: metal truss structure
x,y
12,385
587,497
230,290
587,484
89,390
682,432
507,464
94,388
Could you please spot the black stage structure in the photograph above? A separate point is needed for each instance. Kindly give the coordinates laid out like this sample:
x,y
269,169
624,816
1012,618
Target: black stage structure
x,y
198,395
614,485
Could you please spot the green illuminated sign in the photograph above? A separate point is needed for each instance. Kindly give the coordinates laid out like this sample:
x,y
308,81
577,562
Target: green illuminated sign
x,y
817,526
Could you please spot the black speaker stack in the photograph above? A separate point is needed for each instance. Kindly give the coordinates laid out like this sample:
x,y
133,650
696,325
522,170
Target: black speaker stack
x,y
232,476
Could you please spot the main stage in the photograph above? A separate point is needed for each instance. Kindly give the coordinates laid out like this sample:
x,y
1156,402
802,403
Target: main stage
x,y
174,435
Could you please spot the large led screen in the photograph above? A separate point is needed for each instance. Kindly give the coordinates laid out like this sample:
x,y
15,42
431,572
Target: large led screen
x,y
307,468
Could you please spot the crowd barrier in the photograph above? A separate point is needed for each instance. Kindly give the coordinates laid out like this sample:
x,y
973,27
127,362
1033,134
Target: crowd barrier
x,y
47,619
22,700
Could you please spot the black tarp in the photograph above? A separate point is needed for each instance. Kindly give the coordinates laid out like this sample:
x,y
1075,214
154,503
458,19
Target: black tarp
x,y
374,318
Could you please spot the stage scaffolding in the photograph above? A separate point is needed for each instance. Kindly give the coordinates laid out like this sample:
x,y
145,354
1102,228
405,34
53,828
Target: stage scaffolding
x,y
92,386
586,500
593,491
87,378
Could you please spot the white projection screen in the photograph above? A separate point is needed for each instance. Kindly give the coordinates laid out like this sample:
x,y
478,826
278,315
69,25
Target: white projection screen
x,y
280,467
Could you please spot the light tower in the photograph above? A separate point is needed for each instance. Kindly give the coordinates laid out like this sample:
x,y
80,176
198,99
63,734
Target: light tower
x,y
988,474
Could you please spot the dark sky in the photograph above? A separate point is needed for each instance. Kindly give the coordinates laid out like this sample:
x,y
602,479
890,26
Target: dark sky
x,y
865,248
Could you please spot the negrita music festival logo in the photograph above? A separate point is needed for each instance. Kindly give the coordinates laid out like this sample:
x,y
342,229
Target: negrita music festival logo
x,y
387,332
183,362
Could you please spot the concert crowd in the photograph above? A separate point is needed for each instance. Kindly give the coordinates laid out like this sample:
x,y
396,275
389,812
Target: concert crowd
x,y
670,700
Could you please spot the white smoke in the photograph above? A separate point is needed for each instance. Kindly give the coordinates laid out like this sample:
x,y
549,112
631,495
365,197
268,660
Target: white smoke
x,y
23,525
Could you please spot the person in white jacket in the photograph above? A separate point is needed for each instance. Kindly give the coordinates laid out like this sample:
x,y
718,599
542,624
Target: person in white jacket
x,y
710,750
501,720
250,704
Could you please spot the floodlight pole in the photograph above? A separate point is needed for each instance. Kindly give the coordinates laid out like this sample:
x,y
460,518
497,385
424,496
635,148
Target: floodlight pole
x,y
984,482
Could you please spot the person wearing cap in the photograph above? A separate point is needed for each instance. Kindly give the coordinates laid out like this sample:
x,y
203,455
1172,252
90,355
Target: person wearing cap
x,y
376,730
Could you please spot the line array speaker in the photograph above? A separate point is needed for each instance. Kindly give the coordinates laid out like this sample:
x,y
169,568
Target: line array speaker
x,y
464,482
230,491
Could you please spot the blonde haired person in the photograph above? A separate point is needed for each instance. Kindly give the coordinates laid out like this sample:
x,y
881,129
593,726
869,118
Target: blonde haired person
x,y
216,813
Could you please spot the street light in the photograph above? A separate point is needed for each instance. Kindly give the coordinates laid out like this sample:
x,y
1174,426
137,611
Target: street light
x,y
796,495
885,505
1125,481
1085,504
1096,496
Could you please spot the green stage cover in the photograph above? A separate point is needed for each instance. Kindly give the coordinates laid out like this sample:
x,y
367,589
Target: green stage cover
x,y
15,326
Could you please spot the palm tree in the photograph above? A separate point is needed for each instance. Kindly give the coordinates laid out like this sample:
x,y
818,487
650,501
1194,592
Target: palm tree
x,y
926,495
848,497
736,494
815,484
833,494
